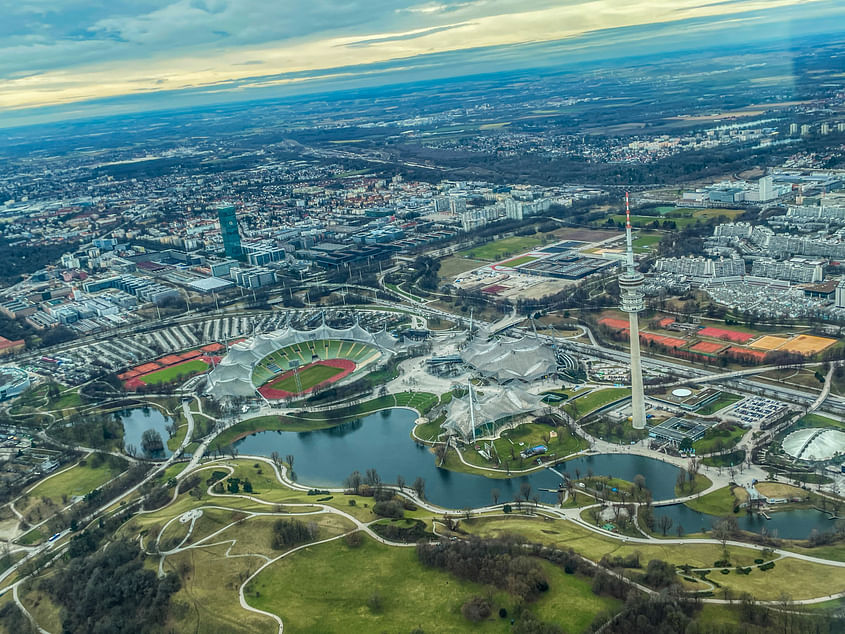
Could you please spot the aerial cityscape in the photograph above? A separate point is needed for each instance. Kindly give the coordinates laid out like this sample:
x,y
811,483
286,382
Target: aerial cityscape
x,y
450,317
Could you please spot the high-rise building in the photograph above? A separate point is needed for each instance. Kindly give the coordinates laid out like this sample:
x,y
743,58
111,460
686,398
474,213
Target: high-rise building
x,y
229,231
765,188
793,129
825,129
805,129
631,288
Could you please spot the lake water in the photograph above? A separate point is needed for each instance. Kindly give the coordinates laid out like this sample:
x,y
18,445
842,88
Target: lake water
x,y
139,419
324,458
797,524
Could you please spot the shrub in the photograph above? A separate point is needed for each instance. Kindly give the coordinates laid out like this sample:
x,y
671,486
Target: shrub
x,y
503,613
476,609
767,566
725,571
389,509
507,508
354,540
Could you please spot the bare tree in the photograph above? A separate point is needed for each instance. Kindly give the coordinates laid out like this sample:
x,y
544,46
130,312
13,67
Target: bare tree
x,y
400,482
419,487
494,493
289,460
665,523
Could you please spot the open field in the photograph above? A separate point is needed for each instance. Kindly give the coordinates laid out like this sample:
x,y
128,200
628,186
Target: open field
x,y
706,214
719,502
594,546
648,221
78,480
166,375
645,243
411,595
718,438
722,402
583,405
817,420
500,249
454,265
523,259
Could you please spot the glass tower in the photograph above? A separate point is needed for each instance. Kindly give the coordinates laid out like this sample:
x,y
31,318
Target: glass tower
x,y
229,231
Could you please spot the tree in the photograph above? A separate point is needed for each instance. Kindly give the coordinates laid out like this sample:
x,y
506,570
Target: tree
x,y
353,482
289,460
400,482
372,478
665,523
151,441
494,493
525,490
276,458
419,487
686,444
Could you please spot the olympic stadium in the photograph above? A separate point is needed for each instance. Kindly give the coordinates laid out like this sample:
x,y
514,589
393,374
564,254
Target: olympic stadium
x,y
291,362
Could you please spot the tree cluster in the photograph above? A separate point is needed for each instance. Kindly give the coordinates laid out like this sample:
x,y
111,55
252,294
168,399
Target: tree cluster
x,y
501,562
290,532
109,590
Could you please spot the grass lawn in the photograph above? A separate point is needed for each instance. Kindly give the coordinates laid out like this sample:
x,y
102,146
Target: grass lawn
x,y
78,480
567,535
32,537
723,401
308,378
727,460
706,214
817,420
524,259
719,502
701,483
583,405
43,610
532,434
174,441
500,249
411,595
454,265
166,375
644,242
645,221
798,579
718,438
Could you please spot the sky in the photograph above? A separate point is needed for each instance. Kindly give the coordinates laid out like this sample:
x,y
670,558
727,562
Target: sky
x,y
65,58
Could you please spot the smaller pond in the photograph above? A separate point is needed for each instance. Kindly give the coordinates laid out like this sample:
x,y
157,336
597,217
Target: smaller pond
x,y
797,524
138,420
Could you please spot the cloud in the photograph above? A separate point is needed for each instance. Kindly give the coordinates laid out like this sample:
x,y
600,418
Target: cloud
x,y
102,49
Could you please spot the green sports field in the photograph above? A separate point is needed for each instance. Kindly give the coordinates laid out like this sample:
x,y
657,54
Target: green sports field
x,y
308,378
166,375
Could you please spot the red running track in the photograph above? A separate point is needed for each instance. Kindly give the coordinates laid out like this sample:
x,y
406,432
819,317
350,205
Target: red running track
x,y
272,394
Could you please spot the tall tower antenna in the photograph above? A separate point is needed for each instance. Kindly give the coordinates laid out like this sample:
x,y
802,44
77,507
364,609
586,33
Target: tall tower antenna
x,y
631,289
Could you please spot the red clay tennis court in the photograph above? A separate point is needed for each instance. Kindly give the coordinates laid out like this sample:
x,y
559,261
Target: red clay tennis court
x,y
612,322
745,353
707,347
730,335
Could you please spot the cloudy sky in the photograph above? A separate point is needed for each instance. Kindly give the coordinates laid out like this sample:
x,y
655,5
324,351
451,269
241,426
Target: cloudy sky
x,y
62,56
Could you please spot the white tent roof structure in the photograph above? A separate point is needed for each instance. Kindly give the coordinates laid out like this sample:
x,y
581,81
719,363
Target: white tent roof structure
x,y
526,359
495,404
233,375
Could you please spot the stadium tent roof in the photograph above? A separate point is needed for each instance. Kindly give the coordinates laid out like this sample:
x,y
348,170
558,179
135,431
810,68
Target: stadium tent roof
x,y
526,359
233,375
492,406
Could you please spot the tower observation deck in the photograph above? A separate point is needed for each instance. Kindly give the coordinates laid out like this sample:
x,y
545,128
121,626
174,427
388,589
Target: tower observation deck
x,y
631,291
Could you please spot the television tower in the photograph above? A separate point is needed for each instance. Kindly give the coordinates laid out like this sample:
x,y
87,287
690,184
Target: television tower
x,y
631,289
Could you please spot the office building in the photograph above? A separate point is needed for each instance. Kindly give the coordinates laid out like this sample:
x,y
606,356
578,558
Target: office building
x,y
229,230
